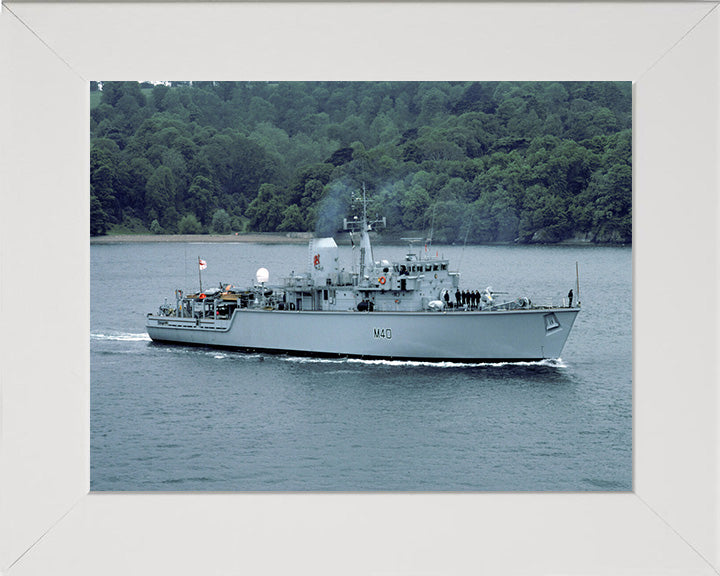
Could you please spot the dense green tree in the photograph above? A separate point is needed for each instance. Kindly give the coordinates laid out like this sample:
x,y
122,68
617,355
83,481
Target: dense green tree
x,y
220,222
155,227
486,161
265,212
450,221
160,193
189,225
414,201
292,219
201,198
98,218
104,178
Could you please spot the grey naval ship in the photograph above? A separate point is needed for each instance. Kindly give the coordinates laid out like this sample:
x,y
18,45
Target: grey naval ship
x,y
413,309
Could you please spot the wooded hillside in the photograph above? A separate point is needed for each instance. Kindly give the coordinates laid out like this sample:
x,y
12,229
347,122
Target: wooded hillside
x,y
479,161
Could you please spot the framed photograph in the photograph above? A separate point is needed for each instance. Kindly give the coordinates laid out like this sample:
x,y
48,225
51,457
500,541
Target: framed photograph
x,y
432,352
49,520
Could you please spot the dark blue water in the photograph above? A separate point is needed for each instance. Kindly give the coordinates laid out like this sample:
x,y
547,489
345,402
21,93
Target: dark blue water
x,y
174,418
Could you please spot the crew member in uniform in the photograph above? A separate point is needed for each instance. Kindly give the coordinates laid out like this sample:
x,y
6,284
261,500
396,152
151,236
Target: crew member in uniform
x,y
570,297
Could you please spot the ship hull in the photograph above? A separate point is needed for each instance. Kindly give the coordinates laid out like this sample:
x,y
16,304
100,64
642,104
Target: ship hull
x,y
492,336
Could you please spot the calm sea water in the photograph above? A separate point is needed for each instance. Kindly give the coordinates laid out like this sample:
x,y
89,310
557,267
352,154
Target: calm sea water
x,y
169,417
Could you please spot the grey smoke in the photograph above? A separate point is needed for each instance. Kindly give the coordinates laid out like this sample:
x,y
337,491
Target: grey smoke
x,y
334,206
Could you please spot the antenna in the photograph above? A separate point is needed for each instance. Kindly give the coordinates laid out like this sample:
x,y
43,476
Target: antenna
x,y
365,224
410,242
577,283
467,231
432,225
364,203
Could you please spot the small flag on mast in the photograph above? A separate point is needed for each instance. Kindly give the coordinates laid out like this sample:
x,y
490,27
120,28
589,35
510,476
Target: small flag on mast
x,y
201,266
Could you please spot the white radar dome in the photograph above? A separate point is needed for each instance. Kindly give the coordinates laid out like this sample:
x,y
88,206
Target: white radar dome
x,y
262,275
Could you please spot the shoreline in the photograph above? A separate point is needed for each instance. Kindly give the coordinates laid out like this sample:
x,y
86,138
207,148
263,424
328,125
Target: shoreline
x,y
292,238
258,238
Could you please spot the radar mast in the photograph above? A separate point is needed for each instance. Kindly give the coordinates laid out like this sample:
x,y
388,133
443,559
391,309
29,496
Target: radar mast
x,y
364,226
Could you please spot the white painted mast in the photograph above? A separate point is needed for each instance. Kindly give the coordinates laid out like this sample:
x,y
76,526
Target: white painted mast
x,y
367,261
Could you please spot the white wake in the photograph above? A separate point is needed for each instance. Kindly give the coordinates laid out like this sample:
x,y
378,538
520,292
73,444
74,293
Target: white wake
x,y
120,337
551,363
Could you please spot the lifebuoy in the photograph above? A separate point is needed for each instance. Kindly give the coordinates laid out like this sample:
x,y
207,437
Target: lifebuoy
x,y
291,306
316,260
382,280
202,297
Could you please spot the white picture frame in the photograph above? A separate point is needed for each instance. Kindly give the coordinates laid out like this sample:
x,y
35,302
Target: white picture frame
x,y
50,523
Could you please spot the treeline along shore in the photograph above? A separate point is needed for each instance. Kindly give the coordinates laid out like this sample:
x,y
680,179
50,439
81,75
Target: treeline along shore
x,y
271,238
265,238
473,162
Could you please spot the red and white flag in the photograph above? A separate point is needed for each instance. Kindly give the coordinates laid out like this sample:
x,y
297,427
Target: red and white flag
x,y
202,264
